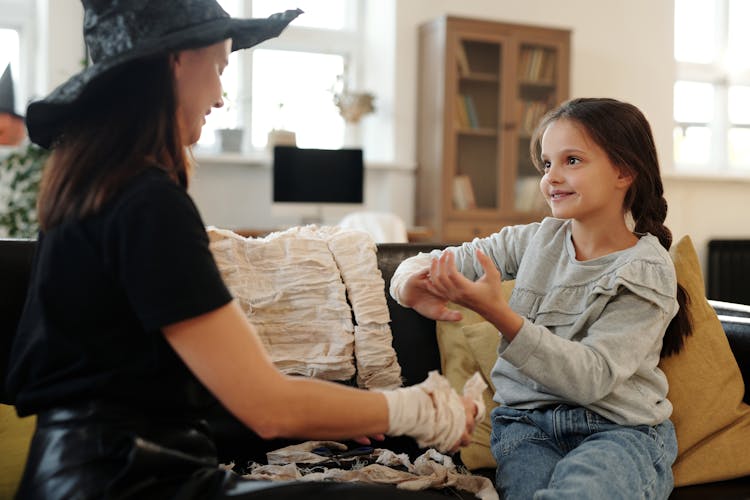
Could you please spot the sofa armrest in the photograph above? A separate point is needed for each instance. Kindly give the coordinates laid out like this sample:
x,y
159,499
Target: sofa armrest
x,y
735,320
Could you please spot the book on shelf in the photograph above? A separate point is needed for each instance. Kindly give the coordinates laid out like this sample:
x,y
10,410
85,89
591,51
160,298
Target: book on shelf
x,y
462,116
462,60
463,193
537,64
471,110
529,197
531,113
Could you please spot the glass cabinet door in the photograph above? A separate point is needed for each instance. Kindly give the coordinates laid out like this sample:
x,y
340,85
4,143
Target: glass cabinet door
x,y
537,94
476,180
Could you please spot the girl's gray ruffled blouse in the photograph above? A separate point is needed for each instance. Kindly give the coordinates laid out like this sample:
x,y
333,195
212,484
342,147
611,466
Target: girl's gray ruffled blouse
x,y
592,330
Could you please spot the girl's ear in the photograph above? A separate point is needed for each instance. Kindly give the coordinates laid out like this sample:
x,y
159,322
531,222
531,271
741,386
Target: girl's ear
x,y
625,177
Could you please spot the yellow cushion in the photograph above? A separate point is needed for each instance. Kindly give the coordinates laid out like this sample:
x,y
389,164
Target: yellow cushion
x,y
468,346
706,389
15,436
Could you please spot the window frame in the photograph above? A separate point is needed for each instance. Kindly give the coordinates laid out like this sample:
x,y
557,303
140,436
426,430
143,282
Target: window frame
x,y
721,78
347,42
19,15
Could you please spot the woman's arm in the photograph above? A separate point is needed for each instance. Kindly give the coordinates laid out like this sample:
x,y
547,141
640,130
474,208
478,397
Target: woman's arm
x,y
223,350
225,353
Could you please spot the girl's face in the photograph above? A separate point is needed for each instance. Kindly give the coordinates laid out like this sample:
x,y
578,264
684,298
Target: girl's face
x,y
580,182
198,86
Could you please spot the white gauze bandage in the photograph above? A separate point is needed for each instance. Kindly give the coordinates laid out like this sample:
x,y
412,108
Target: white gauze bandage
x,y
431,412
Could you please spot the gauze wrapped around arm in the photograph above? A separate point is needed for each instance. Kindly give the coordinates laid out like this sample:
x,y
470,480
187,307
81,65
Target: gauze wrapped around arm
x,y
432,412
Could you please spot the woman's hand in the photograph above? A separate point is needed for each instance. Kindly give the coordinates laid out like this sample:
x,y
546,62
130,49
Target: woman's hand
x,y
367,440
471,412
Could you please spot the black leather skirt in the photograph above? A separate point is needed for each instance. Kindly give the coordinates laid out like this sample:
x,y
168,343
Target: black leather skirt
x,y
101,451
98,450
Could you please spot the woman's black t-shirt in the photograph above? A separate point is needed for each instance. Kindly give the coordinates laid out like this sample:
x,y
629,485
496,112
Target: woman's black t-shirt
x,y
101,290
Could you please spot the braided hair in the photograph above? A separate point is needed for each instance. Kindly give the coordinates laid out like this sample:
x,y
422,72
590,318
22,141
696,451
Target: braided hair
x,y
622,131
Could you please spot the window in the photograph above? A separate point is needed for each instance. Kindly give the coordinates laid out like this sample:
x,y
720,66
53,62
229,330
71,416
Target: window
x,y
289,82
15,27
9,49
712,91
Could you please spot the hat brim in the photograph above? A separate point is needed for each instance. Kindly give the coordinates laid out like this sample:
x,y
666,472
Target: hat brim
x,y
45,118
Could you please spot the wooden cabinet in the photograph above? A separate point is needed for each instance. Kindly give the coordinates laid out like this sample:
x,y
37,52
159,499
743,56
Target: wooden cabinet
x,y
483,86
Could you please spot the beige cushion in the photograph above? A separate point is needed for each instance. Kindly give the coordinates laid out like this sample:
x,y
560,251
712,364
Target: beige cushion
x,y
15,437
705,385
294,285
706,389
468,346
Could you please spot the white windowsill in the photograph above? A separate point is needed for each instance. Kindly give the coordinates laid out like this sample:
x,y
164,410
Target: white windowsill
x,y
260,158
707,175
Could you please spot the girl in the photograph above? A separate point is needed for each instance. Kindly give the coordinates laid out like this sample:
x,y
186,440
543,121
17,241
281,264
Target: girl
x,y
128,334
584,410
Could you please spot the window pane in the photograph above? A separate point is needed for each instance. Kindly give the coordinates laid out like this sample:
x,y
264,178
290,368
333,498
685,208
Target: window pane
x,y
739,147
231,6
293,91
692,145
229,115
9,51
694,30
329,14
739,35
693,102
739,104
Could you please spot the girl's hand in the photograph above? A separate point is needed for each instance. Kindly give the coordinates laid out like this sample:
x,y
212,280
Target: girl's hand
x,y
418,295
482,296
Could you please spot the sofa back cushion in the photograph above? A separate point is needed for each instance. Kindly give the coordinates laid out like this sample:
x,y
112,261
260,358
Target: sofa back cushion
x,y
16,257
414,335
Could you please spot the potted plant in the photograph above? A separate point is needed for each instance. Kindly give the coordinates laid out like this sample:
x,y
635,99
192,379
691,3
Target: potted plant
x,y
20,175
229,139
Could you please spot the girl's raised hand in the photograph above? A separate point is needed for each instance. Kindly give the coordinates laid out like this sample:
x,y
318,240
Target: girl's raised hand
x,y
482,296
418,295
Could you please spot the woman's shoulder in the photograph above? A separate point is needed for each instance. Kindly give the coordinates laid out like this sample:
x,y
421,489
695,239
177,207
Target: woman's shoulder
x,y
151,188
151,198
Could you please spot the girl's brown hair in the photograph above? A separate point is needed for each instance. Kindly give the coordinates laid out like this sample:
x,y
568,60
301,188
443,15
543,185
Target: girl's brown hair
x,y
622,131
124,124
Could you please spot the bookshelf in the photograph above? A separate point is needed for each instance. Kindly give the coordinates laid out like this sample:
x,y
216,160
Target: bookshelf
x,y
483,86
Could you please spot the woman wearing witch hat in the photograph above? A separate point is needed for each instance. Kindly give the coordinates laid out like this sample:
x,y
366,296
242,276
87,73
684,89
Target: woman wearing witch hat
x,y
128,333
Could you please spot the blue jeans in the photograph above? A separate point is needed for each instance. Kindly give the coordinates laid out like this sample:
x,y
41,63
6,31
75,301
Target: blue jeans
x,y
571,452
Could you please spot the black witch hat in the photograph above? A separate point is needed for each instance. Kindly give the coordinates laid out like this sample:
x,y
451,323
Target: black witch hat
x,y
120,31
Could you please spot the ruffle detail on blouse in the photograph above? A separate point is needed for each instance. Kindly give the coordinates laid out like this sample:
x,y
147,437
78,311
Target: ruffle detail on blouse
x,y
653,281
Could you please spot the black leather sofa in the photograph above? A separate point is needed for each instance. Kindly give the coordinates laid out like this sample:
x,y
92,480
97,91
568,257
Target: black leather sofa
x,y
413,339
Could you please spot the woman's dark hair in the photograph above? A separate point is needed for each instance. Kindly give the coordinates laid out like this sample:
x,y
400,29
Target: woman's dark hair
x,y
622,131
122,124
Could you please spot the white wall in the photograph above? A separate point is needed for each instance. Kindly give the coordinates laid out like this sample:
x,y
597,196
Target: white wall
x,y
619,49
60,42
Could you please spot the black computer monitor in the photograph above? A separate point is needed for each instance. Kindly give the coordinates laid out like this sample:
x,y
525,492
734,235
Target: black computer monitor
x,y
303,175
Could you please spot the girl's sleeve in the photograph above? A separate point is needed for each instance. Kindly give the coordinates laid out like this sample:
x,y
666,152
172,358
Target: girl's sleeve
x,y
505,248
